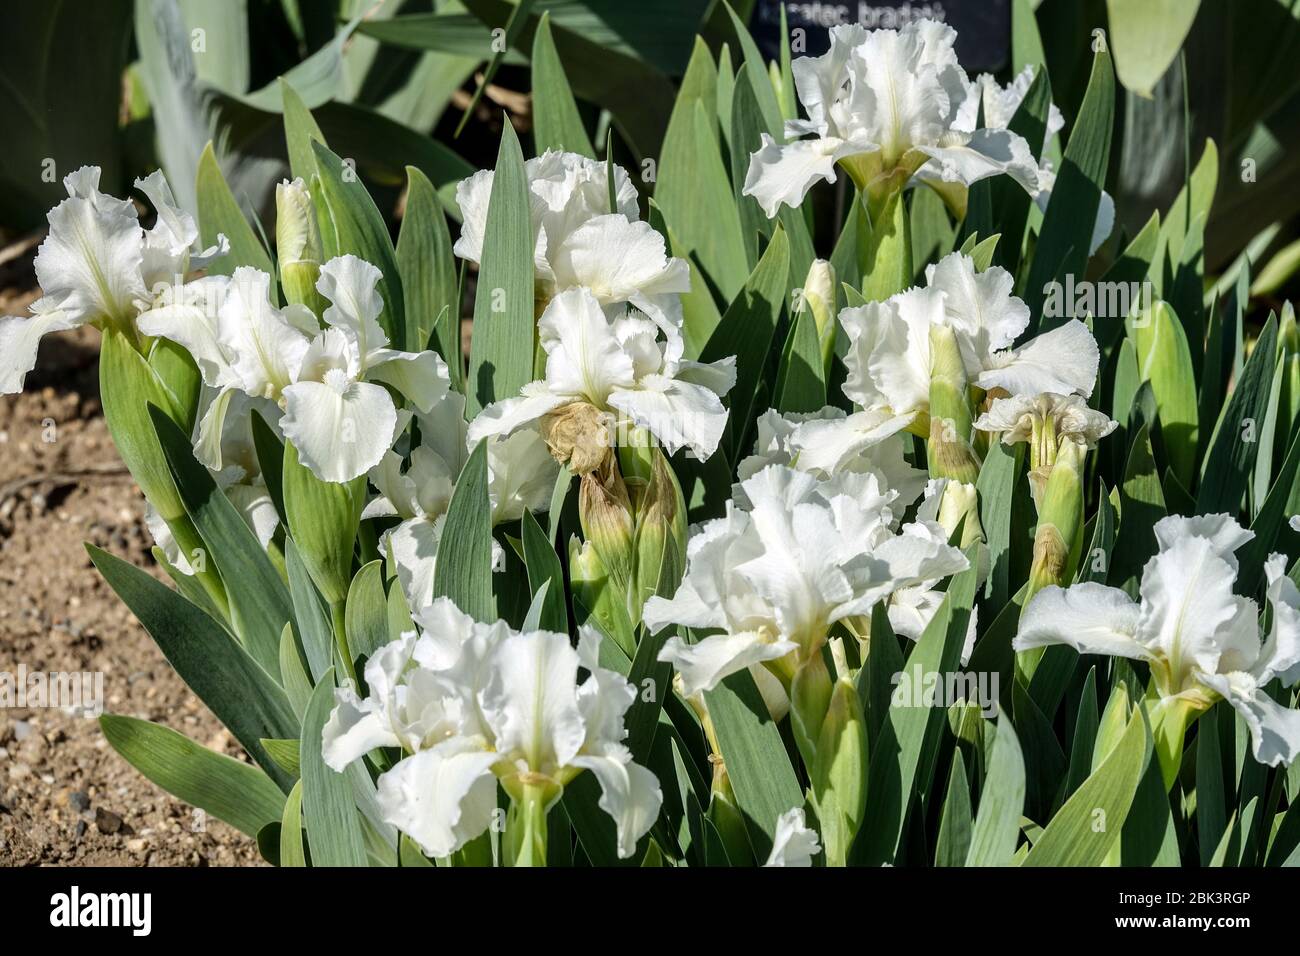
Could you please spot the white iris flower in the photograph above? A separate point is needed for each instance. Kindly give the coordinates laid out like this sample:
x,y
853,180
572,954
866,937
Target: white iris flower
x,y
772,579
470,704
889,361
579,241
1200,640
98,265
886,104
605,365
327,380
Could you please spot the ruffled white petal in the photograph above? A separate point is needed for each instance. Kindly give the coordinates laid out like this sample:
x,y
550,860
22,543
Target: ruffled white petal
x,y
705,664
795,843
20,338
1091,618
441,798
630,794
341,429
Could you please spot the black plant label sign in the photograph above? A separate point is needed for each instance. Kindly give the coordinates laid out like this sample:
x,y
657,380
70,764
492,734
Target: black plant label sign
x,y
983,26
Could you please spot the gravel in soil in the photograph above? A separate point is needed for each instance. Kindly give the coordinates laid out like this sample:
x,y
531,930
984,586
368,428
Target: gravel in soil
x,y
66,797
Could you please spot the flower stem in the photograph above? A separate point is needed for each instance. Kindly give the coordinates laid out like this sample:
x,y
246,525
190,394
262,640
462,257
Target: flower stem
x,y
526,827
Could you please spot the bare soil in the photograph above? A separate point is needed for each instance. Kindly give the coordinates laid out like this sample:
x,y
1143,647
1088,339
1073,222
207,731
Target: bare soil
x,y
66,797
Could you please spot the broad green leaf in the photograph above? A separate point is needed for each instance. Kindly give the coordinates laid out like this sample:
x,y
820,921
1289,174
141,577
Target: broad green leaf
x,y
219,213
366,614
293,672
311,616
322,520
885,250
955,825
62,78
746,331
501,353
1086,721
1064,239
284,753
229,789
293,850
556,122
259,602
128,387
1234,444
428,270
464,569
754,70
544,568
801,383
1146,35
755,756
300,131
235,688
359,229
1085,828
997,823
692,188
333,823
1165,361
899,765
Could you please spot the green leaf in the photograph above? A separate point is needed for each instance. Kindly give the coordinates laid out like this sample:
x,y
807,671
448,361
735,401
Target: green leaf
x,y
293,850
518,17
270,461
1064,239
63,96
359,229
1088,825
293,672
544,568
1085,735
311,617
692,188
900,767
1146,35
428,270
259,603
333,824
801,382
556,122
220,213
754,70
997,824
746,331
1165,361
236,689
228,789
755,756
997,488
300,131
1227,464
501,352
322,520
955,825
464,569
366,614
630,79
284,753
